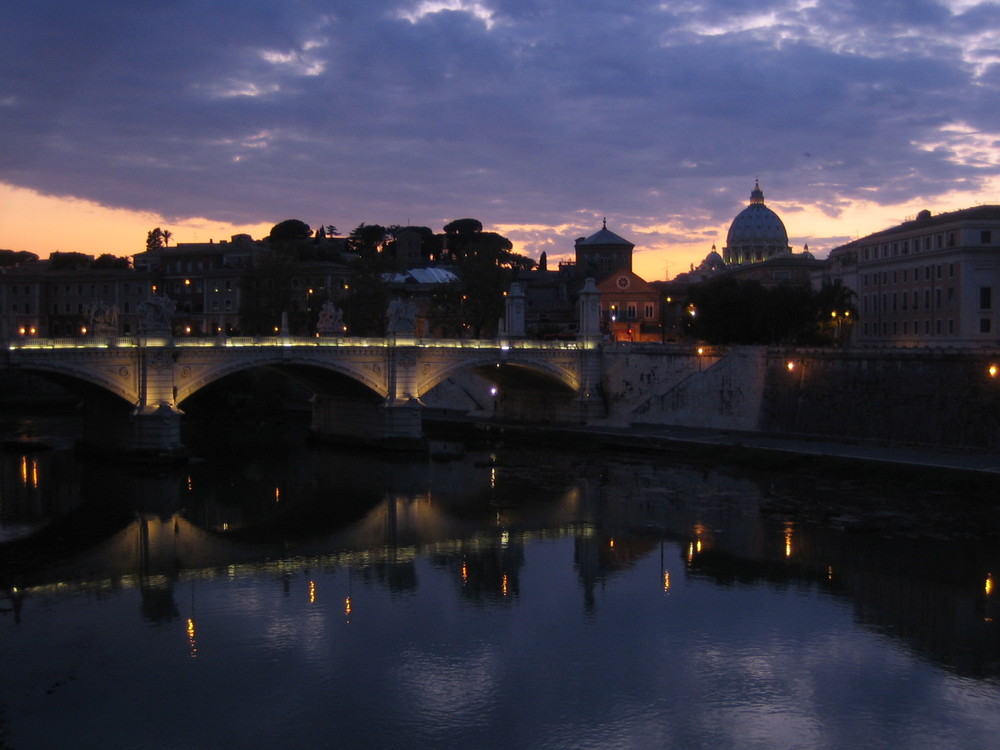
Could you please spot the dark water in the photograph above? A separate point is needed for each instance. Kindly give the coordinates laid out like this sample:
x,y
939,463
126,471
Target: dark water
x,y
279,595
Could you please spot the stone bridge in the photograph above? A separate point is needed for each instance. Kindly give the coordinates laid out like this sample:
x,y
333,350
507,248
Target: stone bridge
x,y
365,388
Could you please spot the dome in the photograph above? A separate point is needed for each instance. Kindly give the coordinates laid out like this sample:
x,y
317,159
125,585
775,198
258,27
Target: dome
x,y
757,233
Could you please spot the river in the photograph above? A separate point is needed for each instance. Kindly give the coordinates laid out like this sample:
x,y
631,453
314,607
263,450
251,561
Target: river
x,y
276,593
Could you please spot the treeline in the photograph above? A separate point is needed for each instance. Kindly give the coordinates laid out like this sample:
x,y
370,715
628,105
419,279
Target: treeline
x,y
484,263
731,311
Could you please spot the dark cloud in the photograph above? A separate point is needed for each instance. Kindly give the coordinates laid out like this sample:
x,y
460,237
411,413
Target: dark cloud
x,y
514,111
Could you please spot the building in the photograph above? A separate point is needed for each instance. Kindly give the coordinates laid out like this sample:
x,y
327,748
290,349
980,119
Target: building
x,y
630,306
930,281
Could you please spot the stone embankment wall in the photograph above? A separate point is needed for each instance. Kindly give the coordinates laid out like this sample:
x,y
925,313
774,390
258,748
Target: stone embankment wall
x,y
932,397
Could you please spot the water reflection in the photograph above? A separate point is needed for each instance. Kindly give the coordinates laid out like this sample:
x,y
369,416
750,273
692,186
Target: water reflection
x,y
279,548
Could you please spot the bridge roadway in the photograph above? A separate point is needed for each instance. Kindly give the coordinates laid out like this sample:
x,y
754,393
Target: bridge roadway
x,y
370,388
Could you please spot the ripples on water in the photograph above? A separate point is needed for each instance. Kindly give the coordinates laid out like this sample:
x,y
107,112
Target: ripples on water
x,y
285,596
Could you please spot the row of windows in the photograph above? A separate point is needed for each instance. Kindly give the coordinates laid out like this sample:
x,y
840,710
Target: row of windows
x,y
81,289
896,327
631,311
907,274
897,301
916,244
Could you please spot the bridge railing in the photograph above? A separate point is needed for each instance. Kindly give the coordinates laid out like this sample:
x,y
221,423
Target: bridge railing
x,y
126,342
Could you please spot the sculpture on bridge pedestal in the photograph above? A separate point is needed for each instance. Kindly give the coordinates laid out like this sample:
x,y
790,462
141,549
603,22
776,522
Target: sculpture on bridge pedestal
x,y
331,320
102,319
156,313
402,317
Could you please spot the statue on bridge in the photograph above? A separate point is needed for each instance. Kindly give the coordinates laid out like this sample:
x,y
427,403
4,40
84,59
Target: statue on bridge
x,y
402,317
155,314
102,319
331,320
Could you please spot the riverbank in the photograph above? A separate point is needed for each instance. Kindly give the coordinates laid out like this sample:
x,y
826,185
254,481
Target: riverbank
x,y
731,443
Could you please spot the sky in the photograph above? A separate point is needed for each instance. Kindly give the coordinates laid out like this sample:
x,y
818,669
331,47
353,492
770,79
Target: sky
x,y
539,118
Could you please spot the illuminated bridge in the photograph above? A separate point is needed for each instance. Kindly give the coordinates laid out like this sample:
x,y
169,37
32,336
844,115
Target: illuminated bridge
x,y
365,388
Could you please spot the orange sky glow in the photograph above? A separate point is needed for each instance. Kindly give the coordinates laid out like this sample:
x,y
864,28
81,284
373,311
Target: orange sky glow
x,y
42,224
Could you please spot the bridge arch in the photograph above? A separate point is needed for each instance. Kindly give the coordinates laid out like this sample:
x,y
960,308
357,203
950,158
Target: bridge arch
x,y
310,371
118,382
548,372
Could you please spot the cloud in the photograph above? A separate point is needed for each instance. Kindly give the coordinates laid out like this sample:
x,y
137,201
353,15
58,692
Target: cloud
x,y
513,111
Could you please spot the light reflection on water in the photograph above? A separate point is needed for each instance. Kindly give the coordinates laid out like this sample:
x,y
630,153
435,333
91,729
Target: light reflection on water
x,y
304,598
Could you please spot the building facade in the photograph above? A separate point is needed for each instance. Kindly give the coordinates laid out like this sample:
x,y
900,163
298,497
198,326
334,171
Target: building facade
x,y
930,281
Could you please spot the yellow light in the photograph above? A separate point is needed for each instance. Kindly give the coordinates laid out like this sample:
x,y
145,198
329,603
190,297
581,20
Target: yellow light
x,y
847,313
21,330
277,494
503,584
611,543
701,351
187,282
83,329
32,331
989,584
790,365
993,371
347,606
697,546
312,592
788,540
666,580
187,329
465,573
833,314
192,642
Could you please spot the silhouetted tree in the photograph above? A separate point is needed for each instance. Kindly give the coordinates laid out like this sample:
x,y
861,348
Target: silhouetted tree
x,y
155,239
11,258
367,239
107,260
730,311
59,261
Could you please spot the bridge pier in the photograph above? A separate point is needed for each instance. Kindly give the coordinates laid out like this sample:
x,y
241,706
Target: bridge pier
x,y
141,434
365,422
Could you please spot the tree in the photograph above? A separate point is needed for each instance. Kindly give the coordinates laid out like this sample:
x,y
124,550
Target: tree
x,y
59,261
166,234
367,239
155,239
368,299
730,311
107,260
486,264
12,258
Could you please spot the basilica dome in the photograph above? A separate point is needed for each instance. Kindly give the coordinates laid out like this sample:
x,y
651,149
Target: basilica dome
x,y
756,233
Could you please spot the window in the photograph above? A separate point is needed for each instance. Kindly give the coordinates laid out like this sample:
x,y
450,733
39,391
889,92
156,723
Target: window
x,y
937,327
951,325
649,311
951,270
985,237
916,300
630,311
985,298
984,325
